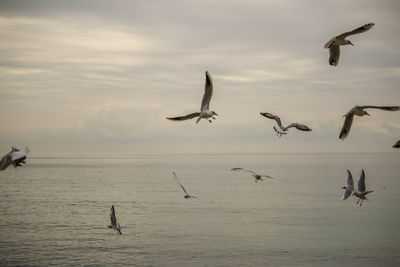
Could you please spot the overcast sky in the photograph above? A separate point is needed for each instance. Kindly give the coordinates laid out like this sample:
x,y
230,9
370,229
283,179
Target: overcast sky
x,y
102,76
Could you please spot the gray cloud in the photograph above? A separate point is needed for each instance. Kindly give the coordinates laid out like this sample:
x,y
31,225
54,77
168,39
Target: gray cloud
x,y
96,75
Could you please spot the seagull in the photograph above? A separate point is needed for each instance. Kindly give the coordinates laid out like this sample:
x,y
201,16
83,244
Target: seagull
x,y
397,145
183,188
14,157
361,193
204,113
335,43
359,111
349,188
283,130
114,225
258,177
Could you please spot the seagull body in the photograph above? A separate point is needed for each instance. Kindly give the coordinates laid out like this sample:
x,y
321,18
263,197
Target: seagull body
x,y
187,196
397,145
361,189
359,111
14,157
205,112
114,225
283,130
258,177
335,43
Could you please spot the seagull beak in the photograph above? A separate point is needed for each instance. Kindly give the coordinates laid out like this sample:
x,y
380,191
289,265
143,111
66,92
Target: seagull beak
x,y
351,43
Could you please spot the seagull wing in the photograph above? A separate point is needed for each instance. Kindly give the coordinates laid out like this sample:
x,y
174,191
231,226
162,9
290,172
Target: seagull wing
x,y
272,117
298,126
361,29
176,178
348,121
387,108
347,193
350,181
208,91
241,169
334,54
112,216
186,117
267,176
397,145
5,161
361,182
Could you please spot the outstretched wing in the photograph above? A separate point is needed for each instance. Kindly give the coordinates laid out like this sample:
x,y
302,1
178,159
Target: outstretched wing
x,y
298,126
397,145
5,161
267,176
348,121
112,216
361,182
177,180
241,169
186,117
208,91
350,181
272,117
387,108
347,193
361,29
334,54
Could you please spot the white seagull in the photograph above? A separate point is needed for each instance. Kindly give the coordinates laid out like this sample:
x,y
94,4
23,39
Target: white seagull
x,y
283,130
14,157
359,111
183,188
397,145
335,43
349,188
114,225
205,112
258,177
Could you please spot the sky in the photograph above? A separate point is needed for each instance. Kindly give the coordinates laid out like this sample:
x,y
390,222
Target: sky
x,y
102,76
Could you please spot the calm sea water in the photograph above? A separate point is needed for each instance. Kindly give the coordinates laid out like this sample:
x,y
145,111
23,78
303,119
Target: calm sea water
x,y
55,211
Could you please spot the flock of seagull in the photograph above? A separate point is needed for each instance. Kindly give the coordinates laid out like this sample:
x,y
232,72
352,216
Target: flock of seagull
x,y
16,157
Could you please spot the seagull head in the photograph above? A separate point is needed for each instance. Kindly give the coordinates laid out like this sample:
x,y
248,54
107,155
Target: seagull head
x,y
213,113
349,42
365,113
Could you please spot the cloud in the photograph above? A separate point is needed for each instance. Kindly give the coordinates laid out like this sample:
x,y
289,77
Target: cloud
x,y
104,76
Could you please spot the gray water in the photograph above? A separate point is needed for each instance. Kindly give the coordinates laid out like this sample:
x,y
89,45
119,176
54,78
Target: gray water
x,y
55,211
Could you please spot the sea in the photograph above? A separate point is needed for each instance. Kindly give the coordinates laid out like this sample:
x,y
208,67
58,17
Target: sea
x,y
55,210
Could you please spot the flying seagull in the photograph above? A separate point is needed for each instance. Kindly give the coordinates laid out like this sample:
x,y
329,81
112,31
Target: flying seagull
x,y
114,225
205,112
361,189
183,188
397,145
349,188
359,111
258,177
335,43
283,130
14,157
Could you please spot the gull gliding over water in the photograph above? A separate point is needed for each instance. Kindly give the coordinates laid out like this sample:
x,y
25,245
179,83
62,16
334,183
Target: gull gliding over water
x,y
183,188
114,225
258,177
14,157
359,111
283,130
205,112
335,43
